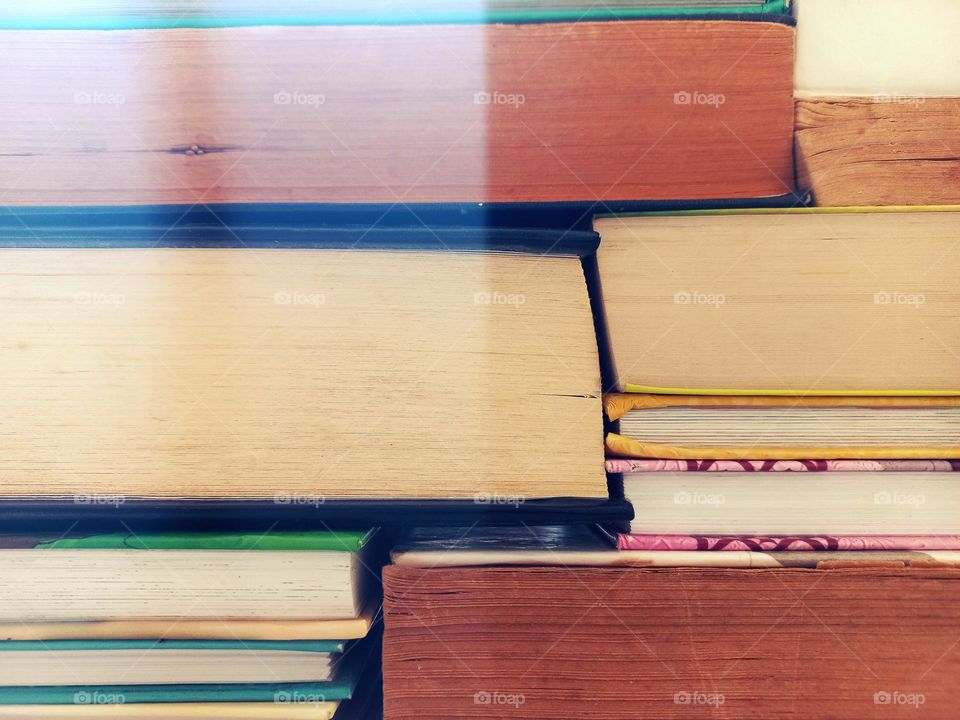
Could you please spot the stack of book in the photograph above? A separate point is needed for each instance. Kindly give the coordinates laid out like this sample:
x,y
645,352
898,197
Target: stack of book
x,y
485,626
783,413
279,280
787,434
223,625
777,342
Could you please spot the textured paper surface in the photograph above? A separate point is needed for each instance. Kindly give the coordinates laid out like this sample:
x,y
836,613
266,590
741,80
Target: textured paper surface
x,y
297,376
723,301
888,149
672,644
263,118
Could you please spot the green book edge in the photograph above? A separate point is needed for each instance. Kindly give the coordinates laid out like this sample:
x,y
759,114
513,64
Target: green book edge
x,y
66,21
125,694
339,540
313,646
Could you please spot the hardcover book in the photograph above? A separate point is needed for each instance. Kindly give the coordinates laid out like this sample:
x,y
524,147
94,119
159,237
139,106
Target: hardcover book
x,y
293,577
677,643
591,547
113,14
545,103
805,429
165,662
297,369
798,302
773,499
169,711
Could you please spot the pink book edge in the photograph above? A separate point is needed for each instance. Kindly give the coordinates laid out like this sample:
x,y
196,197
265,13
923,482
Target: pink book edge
x,y
796,543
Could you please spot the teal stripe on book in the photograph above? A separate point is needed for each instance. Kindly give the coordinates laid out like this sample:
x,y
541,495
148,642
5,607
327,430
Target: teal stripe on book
x,y
299,693
312,646
72,17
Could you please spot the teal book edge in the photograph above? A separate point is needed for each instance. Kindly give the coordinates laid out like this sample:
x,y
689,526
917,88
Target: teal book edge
x,y
312,646
76,19
334,540
299,693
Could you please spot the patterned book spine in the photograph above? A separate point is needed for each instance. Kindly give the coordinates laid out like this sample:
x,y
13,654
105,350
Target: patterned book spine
x,y
618,465
798,543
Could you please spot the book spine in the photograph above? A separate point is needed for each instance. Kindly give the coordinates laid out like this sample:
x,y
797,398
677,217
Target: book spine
x,y
796,543
646,465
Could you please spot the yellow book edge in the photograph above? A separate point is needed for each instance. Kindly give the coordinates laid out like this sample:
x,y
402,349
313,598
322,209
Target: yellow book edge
x,y
796,210
622,446
616,405
654,390
173,629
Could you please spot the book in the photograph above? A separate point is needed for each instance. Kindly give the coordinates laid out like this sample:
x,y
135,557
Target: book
x,y
165,662
877,102
58,515
347,111
326,365
164,711
352,693
591,547
191,628
125,578
565,545
730,427
113,15
320,693
679,643
775,501
710,303
884,150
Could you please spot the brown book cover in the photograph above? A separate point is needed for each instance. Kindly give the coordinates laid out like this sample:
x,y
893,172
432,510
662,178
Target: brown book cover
x,y
845,641
409,113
